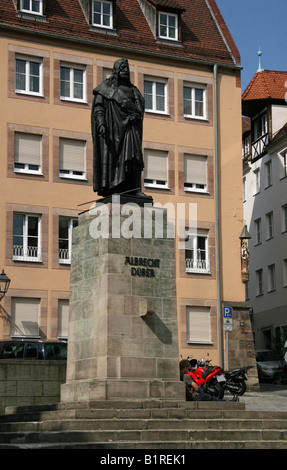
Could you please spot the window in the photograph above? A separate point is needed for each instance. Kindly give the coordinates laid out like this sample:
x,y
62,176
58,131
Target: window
x,y
27,153
32,6
198,325
103,14
66,226
271,278
25,317
155,94
63,318
260,126
168,26
257,180
72,158
285,272
269,225
26,237
246,147
195,173
196,253
156,169
28,75
259,282
268,174
283,170
194,102
72,83
258,231
284,218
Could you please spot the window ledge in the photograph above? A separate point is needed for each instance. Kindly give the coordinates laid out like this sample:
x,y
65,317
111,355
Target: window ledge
x,y
199,342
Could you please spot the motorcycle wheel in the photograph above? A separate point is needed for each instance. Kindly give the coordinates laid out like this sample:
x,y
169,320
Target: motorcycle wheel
x,y
214,389
236,388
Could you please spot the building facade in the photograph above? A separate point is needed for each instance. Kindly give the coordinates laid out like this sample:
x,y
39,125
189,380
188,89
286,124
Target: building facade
x,y
265,203
185,63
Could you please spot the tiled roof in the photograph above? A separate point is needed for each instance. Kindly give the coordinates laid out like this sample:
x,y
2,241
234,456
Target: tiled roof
x,y
266,85
202,28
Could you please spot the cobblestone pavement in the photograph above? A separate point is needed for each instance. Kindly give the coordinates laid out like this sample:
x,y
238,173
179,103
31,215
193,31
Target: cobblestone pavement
x,y
272,397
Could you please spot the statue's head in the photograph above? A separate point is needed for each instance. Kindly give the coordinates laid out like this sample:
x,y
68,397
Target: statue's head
x,y
121,72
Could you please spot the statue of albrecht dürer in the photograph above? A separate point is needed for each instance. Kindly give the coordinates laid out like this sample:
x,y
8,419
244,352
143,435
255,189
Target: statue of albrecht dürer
x,y
117,127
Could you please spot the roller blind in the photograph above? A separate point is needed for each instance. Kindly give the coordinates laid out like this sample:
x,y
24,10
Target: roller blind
x,y
25,316
28,148
72,154
156,165
63,318
198,324
195,169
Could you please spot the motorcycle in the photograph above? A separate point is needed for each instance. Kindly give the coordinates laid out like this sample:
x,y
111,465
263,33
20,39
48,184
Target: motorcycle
x,y
236,380
209,378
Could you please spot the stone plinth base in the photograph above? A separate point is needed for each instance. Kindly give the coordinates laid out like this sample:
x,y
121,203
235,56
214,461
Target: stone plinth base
x,y
123,338
122,390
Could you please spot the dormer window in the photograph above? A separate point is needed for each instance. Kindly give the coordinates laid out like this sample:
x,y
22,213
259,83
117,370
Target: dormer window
x,y
168,25
102,14
32,6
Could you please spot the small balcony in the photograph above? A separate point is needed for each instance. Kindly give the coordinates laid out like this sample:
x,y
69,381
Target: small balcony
x,y
197,266
29,253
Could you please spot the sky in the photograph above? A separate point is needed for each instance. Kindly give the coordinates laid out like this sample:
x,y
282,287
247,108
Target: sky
x,y
254,24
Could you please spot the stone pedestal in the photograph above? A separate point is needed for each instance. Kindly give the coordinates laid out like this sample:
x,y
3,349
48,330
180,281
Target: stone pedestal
x,y
123,341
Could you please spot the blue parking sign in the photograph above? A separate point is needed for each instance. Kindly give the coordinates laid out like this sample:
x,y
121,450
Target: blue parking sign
x,y
227,312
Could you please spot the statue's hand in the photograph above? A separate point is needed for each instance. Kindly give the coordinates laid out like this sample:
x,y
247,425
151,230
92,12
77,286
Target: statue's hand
x,y
134,117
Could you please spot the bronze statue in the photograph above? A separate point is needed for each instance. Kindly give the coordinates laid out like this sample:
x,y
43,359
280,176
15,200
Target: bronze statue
x,y
117,123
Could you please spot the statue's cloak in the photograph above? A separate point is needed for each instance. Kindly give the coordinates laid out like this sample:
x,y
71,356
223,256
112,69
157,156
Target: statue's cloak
x,y
119,152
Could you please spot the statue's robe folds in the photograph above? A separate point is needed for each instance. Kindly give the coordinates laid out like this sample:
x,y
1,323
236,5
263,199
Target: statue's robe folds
x,y
118,153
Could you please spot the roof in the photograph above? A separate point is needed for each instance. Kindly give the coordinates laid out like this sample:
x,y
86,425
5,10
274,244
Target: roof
x,y
205,36
266,85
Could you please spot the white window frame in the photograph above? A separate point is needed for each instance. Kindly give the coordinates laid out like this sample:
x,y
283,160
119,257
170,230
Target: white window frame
x,y
103,15
269,225
284,218
202,325
73,174
258,231
28,61
193,187
271,278
285,272
168,26
24,252
151,182
26,167
196,264
30,9
283,166
65,255
268,174
192,88
72,69
63,318
259,282
257,180
260,126
154,82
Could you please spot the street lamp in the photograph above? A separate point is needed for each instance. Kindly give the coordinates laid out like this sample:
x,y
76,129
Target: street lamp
x,y
4,284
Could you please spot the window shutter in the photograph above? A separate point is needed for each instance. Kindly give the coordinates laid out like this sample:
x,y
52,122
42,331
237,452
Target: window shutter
x,y
63,318
28,148
25,316
195,169
72,154
198,324
156,165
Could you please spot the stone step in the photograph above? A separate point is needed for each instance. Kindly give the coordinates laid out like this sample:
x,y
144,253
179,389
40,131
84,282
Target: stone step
x,y
149,436
143,424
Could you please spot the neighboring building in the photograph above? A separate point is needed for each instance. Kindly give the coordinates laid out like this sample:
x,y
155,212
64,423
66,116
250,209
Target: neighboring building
x,y
183,59
265,203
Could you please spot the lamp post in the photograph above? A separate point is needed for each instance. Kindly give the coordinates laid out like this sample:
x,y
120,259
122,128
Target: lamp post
x,y
4,284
